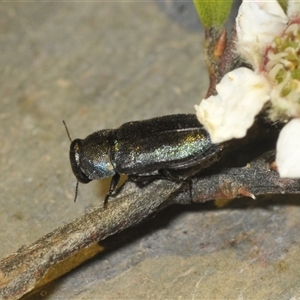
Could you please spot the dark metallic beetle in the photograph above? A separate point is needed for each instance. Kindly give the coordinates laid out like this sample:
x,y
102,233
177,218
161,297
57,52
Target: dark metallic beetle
x,y
154,148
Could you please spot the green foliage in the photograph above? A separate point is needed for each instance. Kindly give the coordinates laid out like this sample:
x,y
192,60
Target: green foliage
x,y
283,4
213,13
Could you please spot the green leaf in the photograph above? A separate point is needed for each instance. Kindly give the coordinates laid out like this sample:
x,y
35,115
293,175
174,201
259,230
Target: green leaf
x,y
213,13
283,4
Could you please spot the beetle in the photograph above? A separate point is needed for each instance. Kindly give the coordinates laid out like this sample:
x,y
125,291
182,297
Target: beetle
x,y
161,147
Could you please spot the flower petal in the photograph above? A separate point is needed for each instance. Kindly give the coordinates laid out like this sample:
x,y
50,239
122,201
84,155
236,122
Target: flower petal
x,y
241,96
257,24
293,10
288,150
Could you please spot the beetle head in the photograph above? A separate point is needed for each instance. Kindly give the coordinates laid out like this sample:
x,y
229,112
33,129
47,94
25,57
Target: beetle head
x,y
75,149
90,158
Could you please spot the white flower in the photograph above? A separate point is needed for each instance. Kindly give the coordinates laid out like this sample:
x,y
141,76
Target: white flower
x,y
257,24
268,40
288,149
219,115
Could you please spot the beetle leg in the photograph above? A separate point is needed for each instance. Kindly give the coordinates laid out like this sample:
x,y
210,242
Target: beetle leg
x,y
166,174
113,187
172,176
144,180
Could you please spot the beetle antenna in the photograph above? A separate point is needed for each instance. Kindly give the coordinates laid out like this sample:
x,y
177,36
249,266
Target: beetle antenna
x,y
68,133
76,191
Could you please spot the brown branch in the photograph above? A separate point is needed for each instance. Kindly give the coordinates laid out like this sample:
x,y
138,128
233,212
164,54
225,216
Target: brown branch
x,y
257,178
21,271
221,56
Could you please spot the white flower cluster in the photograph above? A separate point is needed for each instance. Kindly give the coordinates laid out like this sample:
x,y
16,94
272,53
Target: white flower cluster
x,y
269,40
